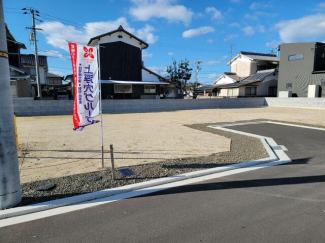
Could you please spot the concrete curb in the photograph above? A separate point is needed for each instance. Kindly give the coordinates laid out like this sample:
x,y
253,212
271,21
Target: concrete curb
x,y
267,142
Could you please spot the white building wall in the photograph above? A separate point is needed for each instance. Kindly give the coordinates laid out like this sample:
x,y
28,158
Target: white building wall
x,y
243,67
149,77
114,38
224,79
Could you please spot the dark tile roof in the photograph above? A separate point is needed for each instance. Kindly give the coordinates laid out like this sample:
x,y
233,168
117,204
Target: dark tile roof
x,y
261,56
11,39
257,77
29,60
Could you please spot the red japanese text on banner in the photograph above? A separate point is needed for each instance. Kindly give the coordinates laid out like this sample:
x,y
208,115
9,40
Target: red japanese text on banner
x,y
85,84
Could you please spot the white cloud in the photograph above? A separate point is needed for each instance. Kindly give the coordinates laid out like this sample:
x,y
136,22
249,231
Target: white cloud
x,y
321,5
261,28
146,34
259,5
146,54
248,30
250,17
216,14
171,53
197,32
211,62
56,72
159,70
234,24
54,53
272,44
144,10
309,28
58,34
210,41
266,14
230,37
214,75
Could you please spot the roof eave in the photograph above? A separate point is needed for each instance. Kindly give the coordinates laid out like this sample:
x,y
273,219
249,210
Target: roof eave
x,y
119,30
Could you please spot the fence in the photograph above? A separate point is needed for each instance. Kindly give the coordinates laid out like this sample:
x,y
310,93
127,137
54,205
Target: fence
x,y
29,107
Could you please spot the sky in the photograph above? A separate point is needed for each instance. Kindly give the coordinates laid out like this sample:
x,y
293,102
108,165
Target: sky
x,y
195,30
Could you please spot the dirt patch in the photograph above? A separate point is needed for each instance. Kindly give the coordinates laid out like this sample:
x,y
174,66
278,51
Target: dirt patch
x,y
242,149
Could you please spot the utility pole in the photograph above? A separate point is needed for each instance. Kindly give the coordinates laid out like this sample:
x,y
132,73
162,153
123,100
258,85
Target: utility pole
x,y
198,69
230,52
34,39
10,188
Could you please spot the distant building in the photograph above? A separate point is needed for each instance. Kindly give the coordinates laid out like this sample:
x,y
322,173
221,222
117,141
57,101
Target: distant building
x,y
301,65
121,67
19,79
53,79
28,62
251,74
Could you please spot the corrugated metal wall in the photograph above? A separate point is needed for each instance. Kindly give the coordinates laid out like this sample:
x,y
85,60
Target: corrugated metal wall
x,y
299,72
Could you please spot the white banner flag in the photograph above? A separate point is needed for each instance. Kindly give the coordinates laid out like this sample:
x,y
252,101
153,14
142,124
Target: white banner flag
x,y
86,86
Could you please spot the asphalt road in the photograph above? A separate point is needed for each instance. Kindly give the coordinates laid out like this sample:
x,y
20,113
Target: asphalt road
x,y
283,203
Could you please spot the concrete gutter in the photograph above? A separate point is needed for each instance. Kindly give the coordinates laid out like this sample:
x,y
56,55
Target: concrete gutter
x,y
275,154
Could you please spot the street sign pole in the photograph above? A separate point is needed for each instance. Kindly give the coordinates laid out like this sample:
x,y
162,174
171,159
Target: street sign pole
x,y
10,188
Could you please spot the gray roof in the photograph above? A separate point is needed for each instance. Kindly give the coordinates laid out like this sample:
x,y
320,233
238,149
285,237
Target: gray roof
x,y
29,59
257,77
207,87
119,29
260,56
257,56
233,76
53,75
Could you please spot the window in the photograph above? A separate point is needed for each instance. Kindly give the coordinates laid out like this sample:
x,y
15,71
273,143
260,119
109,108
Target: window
x,y
123,88
232,92
319,58
296,57
150,89
250,91
288,85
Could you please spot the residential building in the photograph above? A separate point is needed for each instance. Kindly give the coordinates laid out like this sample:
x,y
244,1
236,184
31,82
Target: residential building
x,y
263,83
28,62
251,74
302,65
122,69
19,79
53,79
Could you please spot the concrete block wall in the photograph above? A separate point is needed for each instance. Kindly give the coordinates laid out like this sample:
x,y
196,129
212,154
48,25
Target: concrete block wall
x,y
29,107
295,102
24,107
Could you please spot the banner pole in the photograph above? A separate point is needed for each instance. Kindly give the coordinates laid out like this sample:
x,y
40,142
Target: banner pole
x,y
100,106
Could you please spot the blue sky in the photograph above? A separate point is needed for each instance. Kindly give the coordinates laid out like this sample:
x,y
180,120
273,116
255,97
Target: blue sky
x,y
174,29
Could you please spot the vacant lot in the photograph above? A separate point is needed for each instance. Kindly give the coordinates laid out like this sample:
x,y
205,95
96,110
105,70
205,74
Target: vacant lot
x,y
49,148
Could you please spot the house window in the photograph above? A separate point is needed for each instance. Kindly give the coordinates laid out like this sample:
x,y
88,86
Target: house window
x,y
150,89
232,92
250,91
123,88
319,58
296,57
288,85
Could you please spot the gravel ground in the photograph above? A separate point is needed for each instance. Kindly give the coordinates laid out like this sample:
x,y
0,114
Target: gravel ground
x,y
243,148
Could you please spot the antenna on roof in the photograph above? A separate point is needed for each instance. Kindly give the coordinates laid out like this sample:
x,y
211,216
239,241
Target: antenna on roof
x,y
230,52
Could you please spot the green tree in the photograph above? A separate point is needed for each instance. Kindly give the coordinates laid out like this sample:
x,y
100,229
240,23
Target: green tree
x,y
180,74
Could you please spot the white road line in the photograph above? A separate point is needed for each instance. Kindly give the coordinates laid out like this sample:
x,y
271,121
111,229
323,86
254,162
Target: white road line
x,y
277,157
84,205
